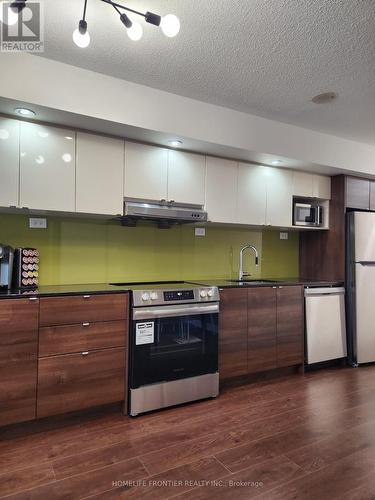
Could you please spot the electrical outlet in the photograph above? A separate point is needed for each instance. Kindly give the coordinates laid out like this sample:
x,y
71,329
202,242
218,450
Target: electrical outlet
x,y
284,236
200,231
37,223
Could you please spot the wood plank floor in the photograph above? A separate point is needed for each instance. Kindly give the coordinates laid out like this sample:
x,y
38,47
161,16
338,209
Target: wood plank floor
x,y
298,437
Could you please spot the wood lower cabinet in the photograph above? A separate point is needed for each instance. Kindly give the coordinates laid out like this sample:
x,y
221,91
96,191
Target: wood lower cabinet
x,y
76,381
83,343
261,329
289,313
233,333
18,359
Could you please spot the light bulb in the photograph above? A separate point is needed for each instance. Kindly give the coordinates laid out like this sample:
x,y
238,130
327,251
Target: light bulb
x,y
25,112
170,25
81,40
10,17
135,32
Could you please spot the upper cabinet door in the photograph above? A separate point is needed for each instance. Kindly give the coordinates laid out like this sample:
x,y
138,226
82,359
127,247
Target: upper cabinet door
x,y
186,177
9,162
303,184
100,174
221,191
322,187
47,168
252,194
279,197
146,171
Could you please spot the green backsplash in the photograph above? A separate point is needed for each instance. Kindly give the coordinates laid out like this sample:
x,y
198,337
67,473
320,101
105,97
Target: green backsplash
x,y
76,250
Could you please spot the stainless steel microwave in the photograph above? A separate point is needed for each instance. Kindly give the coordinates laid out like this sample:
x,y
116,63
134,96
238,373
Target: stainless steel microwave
x,y
308,214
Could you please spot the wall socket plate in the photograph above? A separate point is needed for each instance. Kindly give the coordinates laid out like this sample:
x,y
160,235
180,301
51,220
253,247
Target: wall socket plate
x,y
37,223
284,236
200,231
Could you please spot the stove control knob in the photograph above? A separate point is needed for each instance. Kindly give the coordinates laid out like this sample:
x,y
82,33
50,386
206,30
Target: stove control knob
x,y
203,293
154,295
145,296
210,293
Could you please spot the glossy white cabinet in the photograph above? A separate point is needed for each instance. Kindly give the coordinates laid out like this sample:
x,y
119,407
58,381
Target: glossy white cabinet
x,y
99,174
47,168
311,185
279,197
9,162
302,184
252,194
221,190
322,187
186,177
146,172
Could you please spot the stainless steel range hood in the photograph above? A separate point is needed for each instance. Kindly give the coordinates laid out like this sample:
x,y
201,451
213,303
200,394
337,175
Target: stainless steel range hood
x,y
165,213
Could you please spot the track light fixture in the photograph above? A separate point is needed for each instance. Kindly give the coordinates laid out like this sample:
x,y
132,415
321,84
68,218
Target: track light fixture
x,y
170,25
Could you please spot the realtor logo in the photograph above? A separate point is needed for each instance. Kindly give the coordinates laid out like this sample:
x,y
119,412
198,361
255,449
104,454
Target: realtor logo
x,y
22,30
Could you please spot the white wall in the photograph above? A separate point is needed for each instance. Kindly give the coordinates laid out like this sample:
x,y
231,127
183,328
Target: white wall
x,y
52,84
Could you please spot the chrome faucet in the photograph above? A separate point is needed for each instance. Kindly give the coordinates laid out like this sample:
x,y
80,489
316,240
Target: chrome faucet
x,y
242,274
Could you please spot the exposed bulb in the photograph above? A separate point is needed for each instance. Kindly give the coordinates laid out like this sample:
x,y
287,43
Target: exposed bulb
x,y
135,32
11,17
170,25
81,40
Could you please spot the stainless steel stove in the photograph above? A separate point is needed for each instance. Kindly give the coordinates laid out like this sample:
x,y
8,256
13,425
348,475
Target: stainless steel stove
x,y
173,345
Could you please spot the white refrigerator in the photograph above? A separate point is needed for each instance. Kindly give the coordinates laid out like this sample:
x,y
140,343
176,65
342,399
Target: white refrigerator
x,y
361,286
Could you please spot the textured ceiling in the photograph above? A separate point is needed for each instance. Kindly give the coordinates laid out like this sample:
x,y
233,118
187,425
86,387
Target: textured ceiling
x,y
266,57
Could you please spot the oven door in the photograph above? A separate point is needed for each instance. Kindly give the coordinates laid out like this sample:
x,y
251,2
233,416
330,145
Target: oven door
x,y
305,214
173,342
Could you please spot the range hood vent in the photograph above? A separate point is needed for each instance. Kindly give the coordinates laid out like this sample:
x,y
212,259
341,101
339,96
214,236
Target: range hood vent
x,y
164,213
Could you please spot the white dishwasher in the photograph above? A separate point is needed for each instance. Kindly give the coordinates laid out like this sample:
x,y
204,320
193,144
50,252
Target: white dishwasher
x,y
325,324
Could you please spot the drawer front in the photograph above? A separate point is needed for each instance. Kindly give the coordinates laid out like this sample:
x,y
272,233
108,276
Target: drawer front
x,y
74,381
67,339
83,309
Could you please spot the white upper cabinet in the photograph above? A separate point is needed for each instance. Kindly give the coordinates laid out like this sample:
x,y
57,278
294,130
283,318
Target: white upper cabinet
x,y
279,197
146,172
322,187
47,168
303,184
311,185
9,162
186,177
252,194
221,190
100,174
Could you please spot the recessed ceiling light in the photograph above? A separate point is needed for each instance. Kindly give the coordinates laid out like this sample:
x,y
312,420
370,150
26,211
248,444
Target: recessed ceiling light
x,y
276,162
25,112
175,143
324,98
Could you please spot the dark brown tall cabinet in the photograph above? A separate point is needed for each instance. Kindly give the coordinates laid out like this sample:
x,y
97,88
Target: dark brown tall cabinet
x,y
261,328
18,359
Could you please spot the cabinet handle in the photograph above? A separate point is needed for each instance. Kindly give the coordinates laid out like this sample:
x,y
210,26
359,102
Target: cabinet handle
x,y
86,296
84,353
274,287
33,298
281,287
85,324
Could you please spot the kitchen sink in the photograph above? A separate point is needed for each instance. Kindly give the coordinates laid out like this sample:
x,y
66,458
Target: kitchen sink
x,y
252,282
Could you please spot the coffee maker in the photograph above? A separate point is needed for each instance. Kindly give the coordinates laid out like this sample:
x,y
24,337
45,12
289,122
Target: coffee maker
x,y
6,266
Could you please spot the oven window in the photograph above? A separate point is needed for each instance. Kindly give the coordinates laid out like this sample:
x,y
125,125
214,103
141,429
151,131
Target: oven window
x,y
175,347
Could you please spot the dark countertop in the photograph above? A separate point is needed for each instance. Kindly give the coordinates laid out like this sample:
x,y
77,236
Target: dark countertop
x,y
103,288
223,283
52,290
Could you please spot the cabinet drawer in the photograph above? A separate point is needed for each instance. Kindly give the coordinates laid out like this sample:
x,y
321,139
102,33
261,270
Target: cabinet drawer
x,y
83,337
75,381
83,309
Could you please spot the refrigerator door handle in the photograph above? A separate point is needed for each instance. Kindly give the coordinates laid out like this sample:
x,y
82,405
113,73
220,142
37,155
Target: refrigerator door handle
x,y
366,263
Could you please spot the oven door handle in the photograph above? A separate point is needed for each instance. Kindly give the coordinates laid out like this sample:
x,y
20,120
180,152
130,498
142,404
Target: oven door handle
x,y
174,311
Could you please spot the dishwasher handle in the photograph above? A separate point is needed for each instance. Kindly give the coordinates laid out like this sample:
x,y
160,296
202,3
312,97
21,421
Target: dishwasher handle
x,y
338,290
